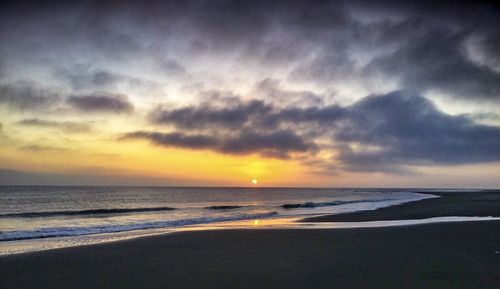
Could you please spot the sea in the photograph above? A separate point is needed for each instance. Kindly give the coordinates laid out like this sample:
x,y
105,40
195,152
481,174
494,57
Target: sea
x,y
36,218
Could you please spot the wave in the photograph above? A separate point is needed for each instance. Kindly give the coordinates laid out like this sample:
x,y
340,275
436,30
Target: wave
x,y
84,212
79,231
331,203
222,207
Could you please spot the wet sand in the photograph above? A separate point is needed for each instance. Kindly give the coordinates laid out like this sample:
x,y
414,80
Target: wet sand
x,y
448,255
465,204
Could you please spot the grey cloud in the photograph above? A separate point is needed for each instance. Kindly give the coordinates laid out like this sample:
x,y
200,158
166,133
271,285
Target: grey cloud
x,y
271,90
172,68
421,49
407,129
253,114
378,133
82,77
275,144
490,46
26,96
278,144
101,103
438,62
66,126
323,41
82,27
486,116
40,148
206,116
175,139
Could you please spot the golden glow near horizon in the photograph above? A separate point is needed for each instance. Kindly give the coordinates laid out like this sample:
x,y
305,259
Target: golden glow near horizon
x,y
254,181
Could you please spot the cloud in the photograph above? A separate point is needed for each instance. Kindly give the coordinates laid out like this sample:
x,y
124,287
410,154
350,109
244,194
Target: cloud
x,y
233,116
25,96
254,114
82,77
175,139
410,47
101,103
386,132
41,148
278,144
271,90
172,68
66,126
332,43
438,61
400,129
490,45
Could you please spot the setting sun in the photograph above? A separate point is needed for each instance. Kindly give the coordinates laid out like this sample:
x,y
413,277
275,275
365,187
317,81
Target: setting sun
x,y
254,181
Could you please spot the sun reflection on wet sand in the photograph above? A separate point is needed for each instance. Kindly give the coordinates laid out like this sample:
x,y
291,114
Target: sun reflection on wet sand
x,y
293,223
271,223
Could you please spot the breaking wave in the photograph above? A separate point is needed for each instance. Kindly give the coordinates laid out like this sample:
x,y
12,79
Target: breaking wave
x,y
84,212
79,231
325,204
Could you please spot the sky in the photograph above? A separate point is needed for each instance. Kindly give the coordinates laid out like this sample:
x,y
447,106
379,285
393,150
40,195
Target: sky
x,y
218,93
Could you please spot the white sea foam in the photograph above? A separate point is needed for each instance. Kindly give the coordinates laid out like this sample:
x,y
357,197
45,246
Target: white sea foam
x,y
79,231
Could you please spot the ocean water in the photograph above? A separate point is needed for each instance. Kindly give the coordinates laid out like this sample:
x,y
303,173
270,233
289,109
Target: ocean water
x,y
42,217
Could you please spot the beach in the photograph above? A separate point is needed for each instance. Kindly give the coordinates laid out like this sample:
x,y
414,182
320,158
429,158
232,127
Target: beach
x,y
445,255
472,204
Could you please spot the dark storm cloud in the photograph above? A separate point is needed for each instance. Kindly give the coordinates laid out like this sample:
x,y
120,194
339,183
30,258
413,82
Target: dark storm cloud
x,y
66,126
278,144
101,103
26,96
380,132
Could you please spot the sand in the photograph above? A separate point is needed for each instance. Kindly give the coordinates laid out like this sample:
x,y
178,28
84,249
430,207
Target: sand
x,y
478,204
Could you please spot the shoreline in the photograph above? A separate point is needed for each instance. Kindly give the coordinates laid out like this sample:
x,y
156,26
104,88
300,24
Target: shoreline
x,y
467,204
369,218
286,221
441,255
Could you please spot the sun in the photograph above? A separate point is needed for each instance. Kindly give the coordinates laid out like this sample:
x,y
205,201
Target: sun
x,y
254,181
